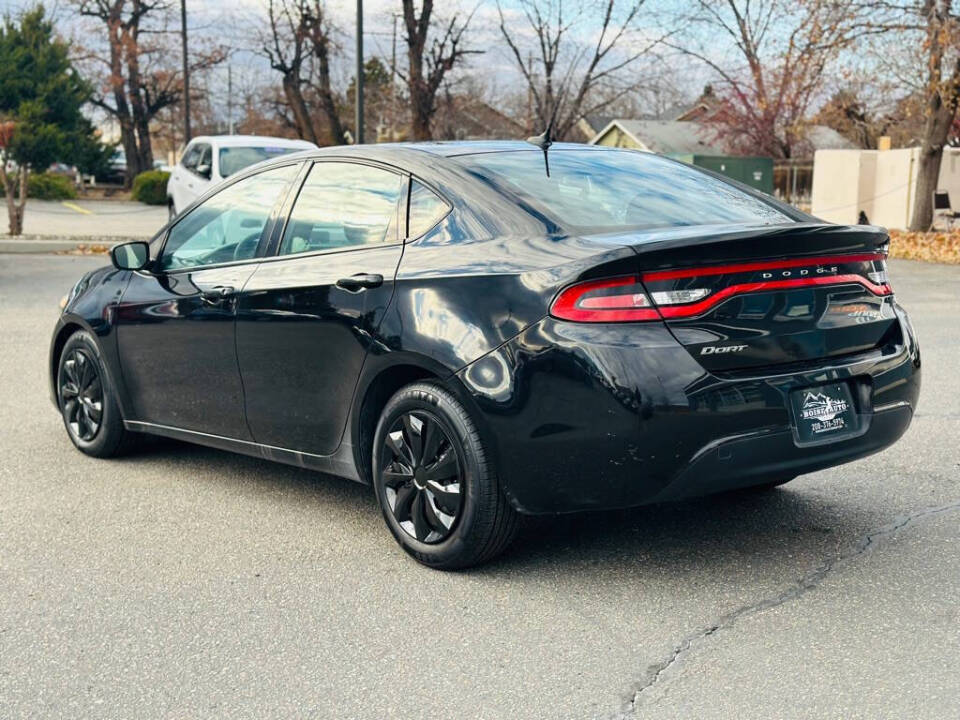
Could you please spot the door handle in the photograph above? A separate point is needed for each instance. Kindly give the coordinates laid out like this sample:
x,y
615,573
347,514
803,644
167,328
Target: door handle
x,y
216,295
362,281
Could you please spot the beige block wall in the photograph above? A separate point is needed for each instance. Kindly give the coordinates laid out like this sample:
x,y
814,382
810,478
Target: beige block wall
x,y
881,183
894,187
836,195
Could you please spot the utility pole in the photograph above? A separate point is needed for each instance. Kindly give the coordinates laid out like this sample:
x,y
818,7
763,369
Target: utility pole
x,y
358,139
393,81
230,99
186,73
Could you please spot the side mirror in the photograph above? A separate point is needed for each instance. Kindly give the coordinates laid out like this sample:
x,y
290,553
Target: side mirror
x,y
204,170
130,256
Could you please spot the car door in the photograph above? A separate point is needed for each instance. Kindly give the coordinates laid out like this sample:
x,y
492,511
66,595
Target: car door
x,y
181,175
175,323
202,173
308,315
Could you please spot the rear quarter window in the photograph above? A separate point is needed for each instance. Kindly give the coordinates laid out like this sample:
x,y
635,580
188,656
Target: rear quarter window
x,y
426,210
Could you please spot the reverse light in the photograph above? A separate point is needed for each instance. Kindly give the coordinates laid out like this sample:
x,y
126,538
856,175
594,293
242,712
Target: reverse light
x,y
612,300
879,277
676,297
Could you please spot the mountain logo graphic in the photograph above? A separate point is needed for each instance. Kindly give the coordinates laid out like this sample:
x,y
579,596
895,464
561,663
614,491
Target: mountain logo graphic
x,y
819,406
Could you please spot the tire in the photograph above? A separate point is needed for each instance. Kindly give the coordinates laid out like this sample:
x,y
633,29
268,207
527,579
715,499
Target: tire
x,y
436,484
87,400
171,211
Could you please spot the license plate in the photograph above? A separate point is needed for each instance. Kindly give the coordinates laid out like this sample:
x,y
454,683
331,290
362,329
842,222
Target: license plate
x,y
824,413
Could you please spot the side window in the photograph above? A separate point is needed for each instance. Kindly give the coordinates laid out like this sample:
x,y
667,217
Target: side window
x,y
228,225
205,161
343,205
426,210
190,157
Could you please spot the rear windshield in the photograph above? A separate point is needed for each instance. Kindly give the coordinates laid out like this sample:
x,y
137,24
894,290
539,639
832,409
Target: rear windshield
x,y
601,190
235,159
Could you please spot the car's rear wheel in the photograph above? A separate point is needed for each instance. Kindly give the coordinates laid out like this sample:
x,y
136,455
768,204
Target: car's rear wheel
x,y
171,211
435,482
87,402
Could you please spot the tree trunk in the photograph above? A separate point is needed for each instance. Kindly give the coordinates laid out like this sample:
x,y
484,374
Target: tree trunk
x,y
129,142
142,158
935,133
421,101
326,98
422,112
15,209
301,116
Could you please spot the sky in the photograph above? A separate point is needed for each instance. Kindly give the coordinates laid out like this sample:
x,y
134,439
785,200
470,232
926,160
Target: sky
x,y
234,22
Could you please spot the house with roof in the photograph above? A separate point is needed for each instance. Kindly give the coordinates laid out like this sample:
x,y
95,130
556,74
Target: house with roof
x,y
698,143
691,142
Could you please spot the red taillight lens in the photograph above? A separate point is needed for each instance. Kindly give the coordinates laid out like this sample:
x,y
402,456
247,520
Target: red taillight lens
x,y
612,300
625,299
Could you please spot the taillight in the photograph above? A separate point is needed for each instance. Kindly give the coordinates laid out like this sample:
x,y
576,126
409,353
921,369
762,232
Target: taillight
x,y
612,300
626,299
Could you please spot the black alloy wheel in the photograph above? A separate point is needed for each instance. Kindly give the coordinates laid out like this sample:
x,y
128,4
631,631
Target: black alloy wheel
x,y
87,403
435,481
81,394
422,477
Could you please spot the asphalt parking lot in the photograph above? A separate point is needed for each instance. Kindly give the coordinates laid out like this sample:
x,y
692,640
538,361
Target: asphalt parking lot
x,y
186,582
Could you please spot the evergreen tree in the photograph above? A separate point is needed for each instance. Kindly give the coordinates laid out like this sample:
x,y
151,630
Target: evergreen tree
x,y
41,98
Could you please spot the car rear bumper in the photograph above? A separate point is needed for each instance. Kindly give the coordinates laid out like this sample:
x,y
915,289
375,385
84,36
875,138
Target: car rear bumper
x,y
608,416
747,461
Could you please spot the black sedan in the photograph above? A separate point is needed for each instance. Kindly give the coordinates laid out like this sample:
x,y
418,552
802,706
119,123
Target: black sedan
x,y
481,331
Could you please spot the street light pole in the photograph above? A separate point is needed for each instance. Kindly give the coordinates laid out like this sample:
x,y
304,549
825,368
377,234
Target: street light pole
x,y
359,83
186,73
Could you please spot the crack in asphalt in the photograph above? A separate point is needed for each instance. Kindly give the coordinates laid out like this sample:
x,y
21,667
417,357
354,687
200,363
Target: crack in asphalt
x,y
808,582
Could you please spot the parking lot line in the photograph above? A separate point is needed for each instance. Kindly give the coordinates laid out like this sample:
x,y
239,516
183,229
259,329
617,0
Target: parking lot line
x,y
74,206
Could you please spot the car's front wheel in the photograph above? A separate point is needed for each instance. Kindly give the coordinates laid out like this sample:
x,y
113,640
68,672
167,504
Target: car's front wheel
x,y
171,211
87,403
435,483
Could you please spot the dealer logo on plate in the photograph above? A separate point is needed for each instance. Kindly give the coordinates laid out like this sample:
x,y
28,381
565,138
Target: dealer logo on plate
x,y
817,406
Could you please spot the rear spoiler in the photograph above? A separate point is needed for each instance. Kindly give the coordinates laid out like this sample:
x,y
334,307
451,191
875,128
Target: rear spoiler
x,y
704,245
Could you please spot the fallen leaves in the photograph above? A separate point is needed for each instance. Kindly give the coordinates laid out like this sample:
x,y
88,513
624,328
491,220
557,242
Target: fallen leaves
x,y
937,246
84,249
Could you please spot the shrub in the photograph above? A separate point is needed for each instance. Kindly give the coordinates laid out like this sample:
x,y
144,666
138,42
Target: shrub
x,y
150,187
47,186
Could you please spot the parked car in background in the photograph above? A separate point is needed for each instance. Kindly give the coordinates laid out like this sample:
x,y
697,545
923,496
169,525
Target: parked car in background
x,y
209,159
117,168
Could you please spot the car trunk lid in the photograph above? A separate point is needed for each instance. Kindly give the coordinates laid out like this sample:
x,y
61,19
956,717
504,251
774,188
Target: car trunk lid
x,y
774,295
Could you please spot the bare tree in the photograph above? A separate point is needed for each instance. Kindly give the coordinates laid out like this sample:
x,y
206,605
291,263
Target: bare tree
x,y
939,24
133,93
320,32
427,67
298,45
847,113
563,73
782,50
285,46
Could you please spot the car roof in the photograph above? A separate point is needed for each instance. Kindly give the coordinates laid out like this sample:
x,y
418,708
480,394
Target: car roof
x,y
254,141
454,148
